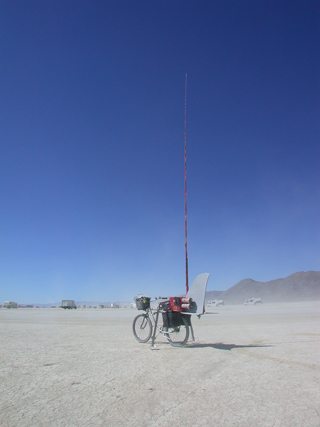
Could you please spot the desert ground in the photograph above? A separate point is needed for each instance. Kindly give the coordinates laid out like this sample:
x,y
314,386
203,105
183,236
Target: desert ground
x,y
250,365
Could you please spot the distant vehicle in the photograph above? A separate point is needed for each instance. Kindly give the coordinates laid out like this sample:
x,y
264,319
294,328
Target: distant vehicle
x,y
252,301
10,304
68,303
215,303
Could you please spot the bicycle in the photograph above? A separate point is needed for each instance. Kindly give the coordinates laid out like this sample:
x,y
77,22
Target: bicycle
x,y
146,325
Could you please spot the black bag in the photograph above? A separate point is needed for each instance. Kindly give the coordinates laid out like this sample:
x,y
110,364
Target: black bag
x,y
173,319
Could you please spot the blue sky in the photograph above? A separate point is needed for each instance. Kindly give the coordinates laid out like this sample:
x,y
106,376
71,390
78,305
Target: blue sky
x,y
92,145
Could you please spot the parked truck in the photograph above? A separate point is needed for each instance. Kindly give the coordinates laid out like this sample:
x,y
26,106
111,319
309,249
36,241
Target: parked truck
x,y
68,303
10,304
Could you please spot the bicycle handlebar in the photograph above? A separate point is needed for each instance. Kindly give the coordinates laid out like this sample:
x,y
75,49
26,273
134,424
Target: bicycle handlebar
x,y
157,298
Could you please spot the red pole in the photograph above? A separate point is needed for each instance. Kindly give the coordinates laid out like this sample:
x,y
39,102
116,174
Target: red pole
x,y
185,182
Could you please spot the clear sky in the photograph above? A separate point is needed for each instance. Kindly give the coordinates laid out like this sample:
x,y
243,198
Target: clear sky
x,y
92,145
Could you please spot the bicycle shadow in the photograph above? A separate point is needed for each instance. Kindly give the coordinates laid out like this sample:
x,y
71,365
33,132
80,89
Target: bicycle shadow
x,y
222,346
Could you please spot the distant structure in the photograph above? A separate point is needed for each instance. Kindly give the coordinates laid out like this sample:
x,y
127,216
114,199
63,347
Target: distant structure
x,y
215,303
68,303
10,304
252,301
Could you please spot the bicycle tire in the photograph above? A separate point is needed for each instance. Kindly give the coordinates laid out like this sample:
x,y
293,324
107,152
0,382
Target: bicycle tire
x,y
142,328
179,336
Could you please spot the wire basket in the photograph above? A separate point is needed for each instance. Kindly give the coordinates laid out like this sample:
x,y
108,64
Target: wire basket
x,y
142,303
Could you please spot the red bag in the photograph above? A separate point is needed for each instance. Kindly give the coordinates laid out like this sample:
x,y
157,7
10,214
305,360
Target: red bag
x,y
175,304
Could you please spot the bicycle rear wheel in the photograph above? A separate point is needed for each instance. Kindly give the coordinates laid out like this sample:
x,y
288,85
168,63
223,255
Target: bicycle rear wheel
x,y
142,328
178,336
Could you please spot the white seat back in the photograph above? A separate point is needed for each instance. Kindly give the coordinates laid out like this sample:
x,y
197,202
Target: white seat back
x,y
197,291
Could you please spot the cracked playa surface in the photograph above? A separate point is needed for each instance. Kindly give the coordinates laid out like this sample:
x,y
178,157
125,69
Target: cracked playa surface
x,y
251,365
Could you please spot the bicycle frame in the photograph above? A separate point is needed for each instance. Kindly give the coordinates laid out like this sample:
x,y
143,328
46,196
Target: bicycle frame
x,y
155,327
154,322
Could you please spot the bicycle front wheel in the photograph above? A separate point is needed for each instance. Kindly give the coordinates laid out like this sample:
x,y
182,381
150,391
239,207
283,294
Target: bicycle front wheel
x,y
142,328
179,335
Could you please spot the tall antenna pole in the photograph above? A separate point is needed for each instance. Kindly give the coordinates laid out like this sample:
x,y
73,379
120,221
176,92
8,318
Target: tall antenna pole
x,y
185,182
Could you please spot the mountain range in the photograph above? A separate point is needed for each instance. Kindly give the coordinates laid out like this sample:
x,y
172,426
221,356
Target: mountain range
x,y
300,286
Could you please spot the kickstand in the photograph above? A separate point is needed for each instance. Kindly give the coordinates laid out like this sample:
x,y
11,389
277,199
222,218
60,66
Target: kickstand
x,y
192,334
153,346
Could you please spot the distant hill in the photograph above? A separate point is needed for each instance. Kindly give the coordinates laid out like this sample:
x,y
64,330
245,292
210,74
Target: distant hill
x,y
301,286
210,295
